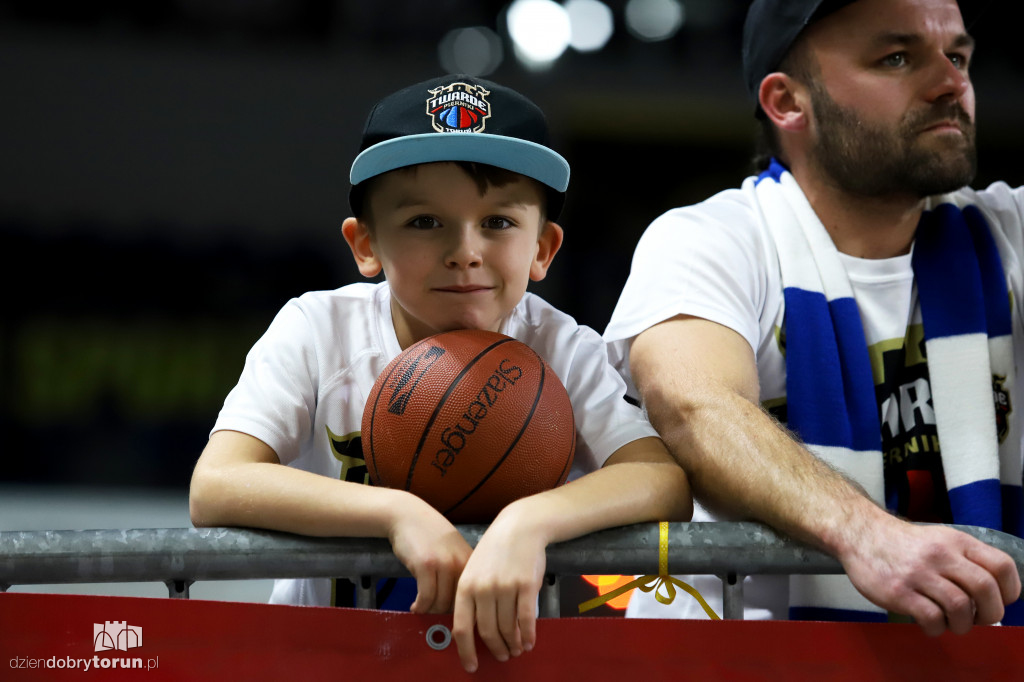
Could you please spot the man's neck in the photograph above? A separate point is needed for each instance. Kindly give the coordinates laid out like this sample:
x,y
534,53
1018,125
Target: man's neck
x,y
864,227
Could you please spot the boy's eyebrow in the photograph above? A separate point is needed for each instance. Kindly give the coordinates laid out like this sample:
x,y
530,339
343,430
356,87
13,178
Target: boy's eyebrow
x,y
409,200
514,202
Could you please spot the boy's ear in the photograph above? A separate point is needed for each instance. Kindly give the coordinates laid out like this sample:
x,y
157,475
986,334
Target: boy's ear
x,y
548,243
357,236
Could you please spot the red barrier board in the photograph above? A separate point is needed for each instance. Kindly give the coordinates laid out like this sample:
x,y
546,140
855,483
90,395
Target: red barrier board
x,y
78,637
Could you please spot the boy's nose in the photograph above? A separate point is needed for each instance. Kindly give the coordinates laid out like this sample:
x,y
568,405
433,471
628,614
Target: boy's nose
x,y
464,250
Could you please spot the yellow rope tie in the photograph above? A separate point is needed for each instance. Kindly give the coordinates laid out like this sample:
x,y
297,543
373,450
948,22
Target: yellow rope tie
x,y
647,583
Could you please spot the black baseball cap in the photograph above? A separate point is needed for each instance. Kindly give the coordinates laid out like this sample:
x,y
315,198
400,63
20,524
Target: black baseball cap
x,y
460,118
772,26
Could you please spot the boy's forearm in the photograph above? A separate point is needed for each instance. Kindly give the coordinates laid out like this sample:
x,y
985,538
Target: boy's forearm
x,y
617,495
276,497
239,481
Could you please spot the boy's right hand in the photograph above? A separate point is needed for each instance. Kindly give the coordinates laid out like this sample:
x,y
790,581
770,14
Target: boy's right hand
x,y
434,552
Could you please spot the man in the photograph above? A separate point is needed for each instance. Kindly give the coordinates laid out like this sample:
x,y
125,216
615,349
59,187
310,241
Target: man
x,y
856,293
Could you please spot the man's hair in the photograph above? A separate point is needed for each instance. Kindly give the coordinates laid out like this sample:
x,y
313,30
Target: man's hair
x,y
799,64
484,175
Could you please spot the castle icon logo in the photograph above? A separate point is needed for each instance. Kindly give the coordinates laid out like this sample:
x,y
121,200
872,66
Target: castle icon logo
x,y
116,635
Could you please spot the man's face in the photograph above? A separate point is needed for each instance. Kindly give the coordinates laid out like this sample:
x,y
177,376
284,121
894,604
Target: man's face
x,y
893,104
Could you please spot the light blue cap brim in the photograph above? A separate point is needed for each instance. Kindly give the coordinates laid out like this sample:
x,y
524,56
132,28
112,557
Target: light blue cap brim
x,y
519,156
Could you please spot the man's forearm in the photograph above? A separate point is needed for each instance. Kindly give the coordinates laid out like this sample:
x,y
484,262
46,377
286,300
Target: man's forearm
x,y
745,465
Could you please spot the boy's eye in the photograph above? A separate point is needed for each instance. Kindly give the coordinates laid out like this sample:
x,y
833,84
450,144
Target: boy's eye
x,y
959,60
498,223
424,222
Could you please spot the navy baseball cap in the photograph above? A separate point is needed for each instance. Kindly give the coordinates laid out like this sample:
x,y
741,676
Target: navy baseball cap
x,y
460,118
772,26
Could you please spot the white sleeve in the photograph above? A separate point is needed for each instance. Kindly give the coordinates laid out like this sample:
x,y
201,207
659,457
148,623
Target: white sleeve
x,y
707,260
1003,207
275,398
605,421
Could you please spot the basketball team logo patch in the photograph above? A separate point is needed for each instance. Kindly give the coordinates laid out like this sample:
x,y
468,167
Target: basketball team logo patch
x,y
459,108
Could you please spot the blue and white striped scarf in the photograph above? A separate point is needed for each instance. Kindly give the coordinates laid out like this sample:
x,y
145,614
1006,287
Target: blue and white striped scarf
x,y
831,402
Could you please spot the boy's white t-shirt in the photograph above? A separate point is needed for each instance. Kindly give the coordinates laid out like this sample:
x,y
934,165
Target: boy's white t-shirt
x,y
305,382
716,261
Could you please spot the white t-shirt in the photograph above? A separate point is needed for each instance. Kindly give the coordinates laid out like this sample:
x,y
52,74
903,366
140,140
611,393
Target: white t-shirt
x,y
305,382
716,260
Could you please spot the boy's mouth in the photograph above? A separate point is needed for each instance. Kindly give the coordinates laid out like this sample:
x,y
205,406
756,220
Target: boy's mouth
x,y
463,288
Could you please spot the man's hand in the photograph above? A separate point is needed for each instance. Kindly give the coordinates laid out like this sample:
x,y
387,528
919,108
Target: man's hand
x,y
943,578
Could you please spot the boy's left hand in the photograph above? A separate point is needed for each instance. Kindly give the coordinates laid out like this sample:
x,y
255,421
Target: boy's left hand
x,y
497,593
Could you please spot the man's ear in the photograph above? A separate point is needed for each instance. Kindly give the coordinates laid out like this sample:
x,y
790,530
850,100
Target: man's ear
x,y
548,243
785,102
357,236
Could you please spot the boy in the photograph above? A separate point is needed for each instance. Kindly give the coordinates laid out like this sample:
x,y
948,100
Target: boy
x,y
454,196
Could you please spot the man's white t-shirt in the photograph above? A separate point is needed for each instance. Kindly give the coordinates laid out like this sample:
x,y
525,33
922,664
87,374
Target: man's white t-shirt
x,y
306,380
716,260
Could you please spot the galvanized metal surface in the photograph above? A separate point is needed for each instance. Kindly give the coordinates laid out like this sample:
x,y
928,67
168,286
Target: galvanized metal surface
x,y
193,554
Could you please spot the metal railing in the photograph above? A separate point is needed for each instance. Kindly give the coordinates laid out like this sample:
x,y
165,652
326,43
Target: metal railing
x,y
178,557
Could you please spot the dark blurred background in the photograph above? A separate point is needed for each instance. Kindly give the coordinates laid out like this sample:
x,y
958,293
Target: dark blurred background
x,y
173,171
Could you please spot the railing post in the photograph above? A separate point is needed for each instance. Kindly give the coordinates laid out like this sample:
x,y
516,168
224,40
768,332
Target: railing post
x,y
178,589
550,597
732,596
366,592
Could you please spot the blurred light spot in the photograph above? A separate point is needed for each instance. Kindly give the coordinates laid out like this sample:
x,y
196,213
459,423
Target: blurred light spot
x,y
707,14
591,24
475,51
539,30
653,20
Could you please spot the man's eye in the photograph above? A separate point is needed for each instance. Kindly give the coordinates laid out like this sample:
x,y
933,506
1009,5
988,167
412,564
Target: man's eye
x,y
897,59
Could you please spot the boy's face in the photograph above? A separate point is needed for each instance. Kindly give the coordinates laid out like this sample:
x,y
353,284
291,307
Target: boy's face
x,y
453,257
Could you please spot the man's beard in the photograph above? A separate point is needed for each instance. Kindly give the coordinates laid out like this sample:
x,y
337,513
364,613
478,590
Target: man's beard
x,y
875,161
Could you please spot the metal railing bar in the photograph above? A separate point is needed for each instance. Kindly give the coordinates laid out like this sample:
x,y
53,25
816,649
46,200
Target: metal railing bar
x,y
195,554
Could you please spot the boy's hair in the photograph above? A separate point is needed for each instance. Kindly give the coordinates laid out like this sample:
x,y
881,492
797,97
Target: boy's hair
x,y
483,175
459,118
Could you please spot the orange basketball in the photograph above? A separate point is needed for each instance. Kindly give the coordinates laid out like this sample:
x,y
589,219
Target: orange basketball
x,y
468,420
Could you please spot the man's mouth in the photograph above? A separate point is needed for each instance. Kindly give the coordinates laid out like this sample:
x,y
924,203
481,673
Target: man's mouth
x,y
945,126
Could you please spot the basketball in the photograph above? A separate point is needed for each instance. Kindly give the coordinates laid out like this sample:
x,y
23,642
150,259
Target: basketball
x,y
470,421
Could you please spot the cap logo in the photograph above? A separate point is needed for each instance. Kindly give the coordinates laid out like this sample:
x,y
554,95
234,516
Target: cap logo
x,y
459,108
